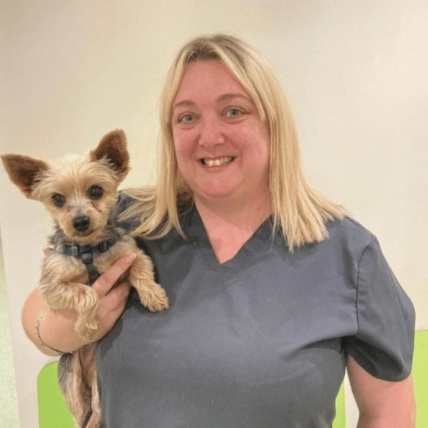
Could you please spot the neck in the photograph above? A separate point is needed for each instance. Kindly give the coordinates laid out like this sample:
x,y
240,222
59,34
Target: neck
x,y
229,226
248,216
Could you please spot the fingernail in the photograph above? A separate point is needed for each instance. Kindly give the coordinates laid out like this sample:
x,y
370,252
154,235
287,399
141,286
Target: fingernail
x,y
130,257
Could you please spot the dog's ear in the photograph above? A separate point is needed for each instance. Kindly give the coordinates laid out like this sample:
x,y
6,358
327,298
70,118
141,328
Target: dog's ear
x,y
113,148
23,171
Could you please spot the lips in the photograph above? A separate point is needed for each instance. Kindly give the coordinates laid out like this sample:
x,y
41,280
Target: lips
x,y
217,162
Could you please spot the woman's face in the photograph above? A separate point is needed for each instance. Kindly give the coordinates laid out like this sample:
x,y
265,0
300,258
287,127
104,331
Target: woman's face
x,y
221,143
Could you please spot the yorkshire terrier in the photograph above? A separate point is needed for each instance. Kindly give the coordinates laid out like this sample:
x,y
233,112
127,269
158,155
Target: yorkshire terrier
x,y
80,192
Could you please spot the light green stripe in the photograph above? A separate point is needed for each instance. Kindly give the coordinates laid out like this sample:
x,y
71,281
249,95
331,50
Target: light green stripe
x,y
420,378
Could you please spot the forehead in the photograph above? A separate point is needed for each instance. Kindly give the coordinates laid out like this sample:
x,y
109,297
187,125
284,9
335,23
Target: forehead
x,y
207,78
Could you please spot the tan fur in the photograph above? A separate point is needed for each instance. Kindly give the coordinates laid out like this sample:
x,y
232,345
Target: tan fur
x,y
63,277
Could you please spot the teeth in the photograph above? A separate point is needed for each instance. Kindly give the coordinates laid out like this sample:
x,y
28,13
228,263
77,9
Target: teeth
x,y
217,162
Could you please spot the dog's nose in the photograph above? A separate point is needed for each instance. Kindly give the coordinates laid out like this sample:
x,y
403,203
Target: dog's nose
x,y
81,223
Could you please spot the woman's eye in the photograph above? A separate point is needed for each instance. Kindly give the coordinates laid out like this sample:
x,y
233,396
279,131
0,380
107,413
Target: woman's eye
x,y
95,192
186,118
233,112
58,200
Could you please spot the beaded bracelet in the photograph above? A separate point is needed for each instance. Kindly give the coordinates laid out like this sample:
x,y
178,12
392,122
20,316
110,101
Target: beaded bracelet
x,y
43,344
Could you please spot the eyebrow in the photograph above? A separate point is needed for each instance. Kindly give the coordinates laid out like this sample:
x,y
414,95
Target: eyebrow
x,y
227,97
183,103
221,98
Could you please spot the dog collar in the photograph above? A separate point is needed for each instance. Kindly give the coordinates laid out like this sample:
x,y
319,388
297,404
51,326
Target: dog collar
x,y
86,254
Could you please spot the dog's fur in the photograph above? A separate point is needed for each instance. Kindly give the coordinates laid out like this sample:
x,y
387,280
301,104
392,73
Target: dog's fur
x,y
63,278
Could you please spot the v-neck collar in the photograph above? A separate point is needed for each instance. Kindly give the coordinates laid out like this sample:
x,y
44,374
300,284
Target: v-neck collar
x,y
256,245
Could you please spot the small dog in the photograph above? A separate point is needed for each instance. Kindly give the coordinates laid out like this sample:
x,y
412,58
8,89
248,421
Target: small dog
x,y
80,192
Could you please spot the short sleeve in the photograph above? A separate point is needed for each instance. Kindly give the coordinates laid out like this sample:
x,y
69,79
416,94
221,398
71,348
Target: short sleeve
x,y
383,345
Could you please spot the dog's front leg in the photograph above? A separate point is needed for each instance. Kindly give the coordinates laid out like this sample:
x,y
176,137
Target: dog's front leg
x,y
141,276
65,289
83,299
86,304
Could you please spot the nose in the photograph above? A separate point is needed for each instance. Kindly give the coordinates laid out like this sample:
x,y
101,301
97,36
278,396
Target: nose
x,y
81,223
211,132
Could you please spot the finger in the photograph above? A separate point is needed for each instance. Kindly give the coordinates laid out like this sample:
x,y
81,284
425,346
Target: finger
x,y
106,281
117,296
111,316
109,321
115,315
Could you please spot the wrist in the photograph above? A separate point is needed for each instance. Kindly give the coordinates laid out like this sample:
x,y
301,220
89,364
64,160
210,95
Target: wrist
x,y
58,330
41,342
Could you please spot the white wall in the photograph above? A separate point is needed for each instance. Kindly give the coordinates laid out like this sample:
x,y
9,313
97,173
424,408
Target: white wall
x,y
355,72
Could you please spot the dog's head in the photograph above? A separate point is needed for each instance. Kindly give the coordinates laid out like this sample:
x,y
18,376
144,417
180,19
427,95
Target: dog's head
x,y
79,191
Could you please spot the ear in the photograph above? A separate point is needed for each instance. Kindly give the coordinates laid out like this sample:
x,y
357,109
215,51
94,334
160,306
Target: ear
x,y
112,148
23,171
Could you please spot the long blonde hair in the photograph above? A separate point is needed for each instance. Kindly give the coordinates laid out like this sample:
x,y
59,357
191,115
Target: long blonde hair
x,y
299,211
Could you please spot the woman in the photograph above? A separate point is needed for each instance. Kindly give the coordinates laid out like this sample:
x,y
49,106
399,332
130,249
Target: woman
x,y
273,291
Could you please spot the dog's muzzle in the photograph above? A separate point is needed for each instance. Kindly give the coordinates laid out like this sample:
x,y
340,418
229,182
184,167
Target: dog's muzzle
x,y
81,223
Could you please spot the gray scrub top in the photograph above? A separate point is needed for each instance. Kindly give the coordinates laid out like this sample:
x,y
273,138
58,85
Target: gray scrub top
x,y
259,341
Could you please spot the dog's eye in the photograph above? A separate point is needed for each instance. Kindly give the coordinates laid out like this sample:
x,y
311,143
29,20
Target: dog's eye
x,y
58,200
95,192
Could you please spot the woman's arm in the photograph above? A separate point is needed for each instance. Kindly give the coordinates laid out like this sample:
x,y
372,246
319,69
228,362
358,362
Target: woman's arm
x,y
56,328
382,404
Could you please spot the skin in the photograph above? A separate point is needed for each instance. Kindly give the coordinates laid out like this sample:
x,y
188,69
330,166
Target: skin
x,y
382,404
214,118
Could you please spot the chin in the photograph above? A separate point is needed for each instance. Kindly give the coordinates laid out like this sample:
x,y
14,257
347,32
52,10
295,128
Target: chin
x,y
215,196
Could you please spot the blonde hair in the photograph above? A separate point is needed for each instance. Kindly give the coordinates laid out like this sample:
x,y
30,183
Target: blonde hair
x,y
299,211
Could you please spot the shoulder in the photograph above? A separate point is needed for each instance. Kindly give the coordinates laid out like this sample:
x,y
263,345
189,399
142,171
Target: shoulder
x,y
124,203
348,234
341,251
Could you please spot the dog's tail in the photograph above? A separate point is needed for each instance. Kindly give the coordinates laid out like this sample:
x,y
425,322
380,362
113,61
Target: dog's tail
x,y
77,378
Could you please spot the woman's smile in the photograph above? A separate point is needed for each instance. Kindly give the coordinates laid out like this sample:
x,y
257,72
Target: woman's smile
x,y
215,162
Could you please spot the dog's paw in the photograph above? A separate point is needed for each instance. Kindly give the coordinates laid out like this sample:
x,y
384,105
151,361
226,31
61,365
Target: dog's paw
x,y
156,302
86,331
